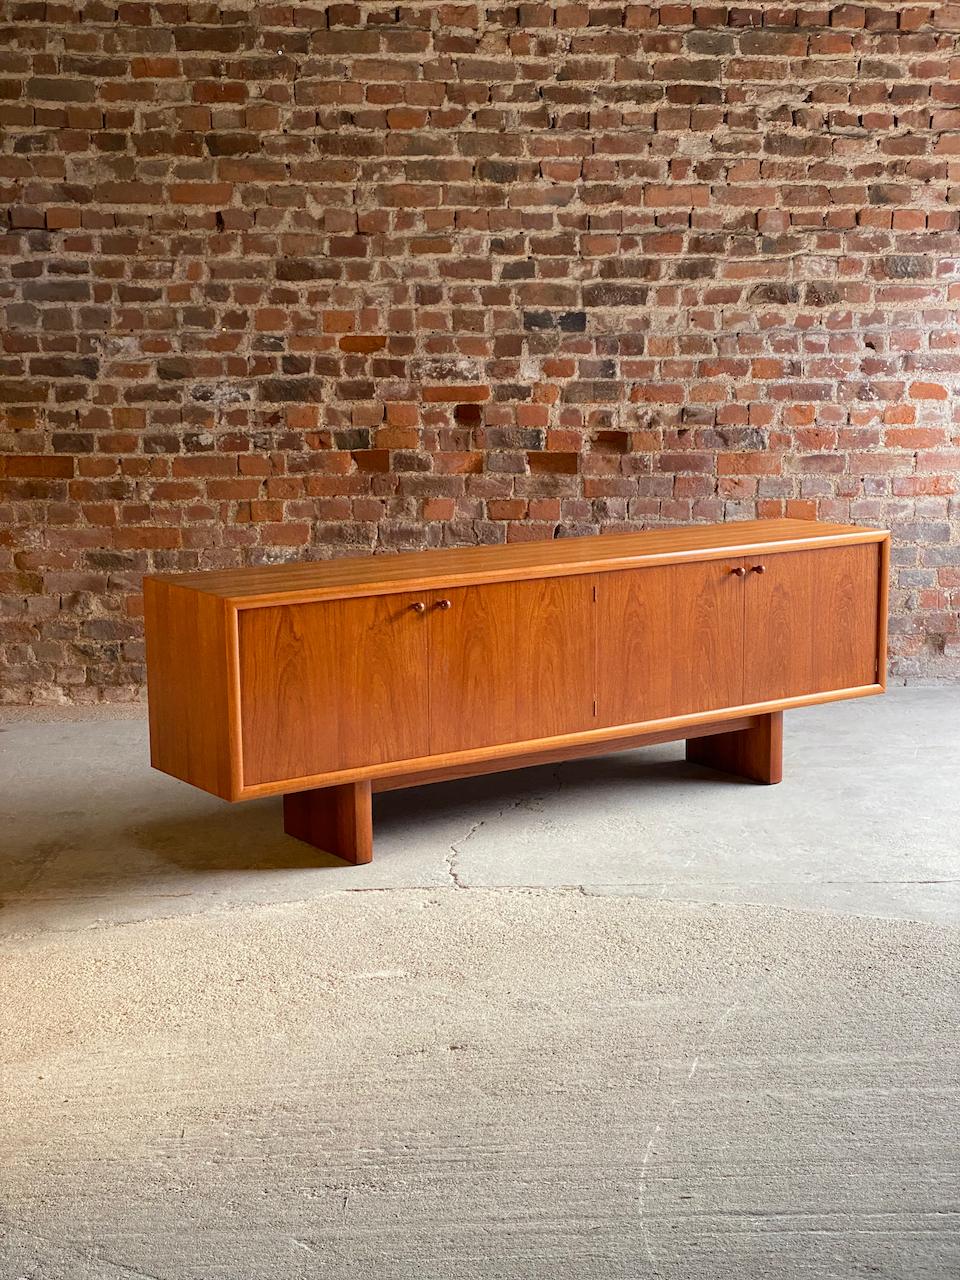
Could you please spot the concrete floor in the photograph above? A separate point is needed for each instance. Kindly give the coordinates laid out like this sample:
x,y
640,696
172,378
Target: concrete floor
x,y
624,1018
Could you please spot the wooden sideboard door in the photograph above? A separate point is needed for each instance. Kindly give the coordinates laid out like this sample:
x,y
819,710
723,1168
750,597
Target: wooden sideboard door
x,y
511,662
811,621
670,640
336,685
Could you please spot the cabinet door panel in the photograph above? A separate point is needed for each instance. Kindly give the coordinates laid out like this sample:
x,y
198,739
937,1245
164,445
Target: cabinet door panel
x,y
811,621
329,686
472,702
669,641
511,662
555,656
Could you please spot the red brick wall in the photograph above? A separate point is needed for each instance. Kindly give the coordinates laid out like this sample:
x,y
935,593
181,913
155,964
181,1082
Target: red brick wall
x,y
282,280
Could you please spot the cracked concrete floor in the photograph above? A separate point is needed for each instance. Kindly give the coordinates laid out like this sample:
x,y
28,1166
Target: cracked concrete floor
x,y
623,1018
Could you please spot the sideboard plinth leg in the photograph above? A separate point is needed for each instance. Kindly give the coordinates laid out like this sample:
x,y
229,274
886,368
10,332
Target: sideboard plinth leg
x,y
751,753
338,820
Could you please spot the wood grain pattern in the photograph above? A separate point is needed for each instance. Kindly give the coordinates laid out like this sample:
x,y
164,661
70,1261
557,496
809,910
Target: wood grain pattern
x,y
755,753
554,656
669,641
472,684
609,736
464,566
325,687
811,622
510,661
338,820
190,664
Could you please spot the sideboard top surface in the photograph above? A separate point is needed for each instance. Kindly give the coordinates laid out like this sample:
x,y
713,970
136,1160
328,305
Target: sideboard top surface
x,y
421,570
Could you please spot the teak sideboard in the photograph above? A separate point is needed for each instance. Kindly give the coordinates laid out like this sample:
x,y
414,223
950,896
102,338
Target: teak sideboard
x,y
326,681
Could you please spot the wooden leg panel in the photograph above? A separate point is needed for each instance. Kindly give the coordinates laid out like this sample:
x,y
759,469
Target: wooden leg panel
x,y
750,753
338,820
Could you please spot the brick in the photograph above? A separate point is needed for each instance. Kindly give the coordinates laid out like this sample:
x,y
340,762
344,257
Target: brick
x,y
363,343
406,118
25,465
285,390
212,194
61,89
615,295
129,193
676,196
439,509
361,275
928,391
65,366
454,394
154,68
25,218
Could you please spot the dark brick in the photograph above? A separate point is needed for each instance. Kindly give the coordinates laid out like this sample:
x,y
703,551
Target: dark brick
x,y
496,171
174,369
56,291
65,366
615,295
297,269
292,390
782,295
821,294
233,144
56,89
468,414
573,321
908,266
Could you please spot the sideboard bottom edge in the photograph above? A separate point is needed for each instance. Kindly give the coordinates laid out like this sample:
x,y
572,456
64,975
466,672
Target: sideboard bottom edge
x,y
521,755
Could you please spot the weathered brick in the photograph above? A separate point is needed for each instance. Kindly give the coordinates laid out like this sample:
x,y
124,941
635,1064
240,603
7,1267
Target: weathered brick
x,y
455,393
60,89
65,366
351,276
291,390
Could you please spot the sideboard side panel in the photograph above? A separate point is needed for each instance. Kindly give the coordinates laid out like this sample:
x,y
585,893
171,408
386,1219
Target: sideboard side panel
x,y
883,611
191,658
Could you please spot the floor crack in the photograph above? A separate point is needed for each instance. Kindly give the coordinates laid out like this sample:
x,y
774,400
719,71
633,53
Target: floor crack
x,y
522,802
453,853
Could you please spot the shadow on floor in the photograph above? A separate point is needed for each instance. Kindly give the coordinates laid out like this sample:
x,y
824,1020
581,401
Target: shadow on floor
x,y
80,852
579,777
237,838
249,837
